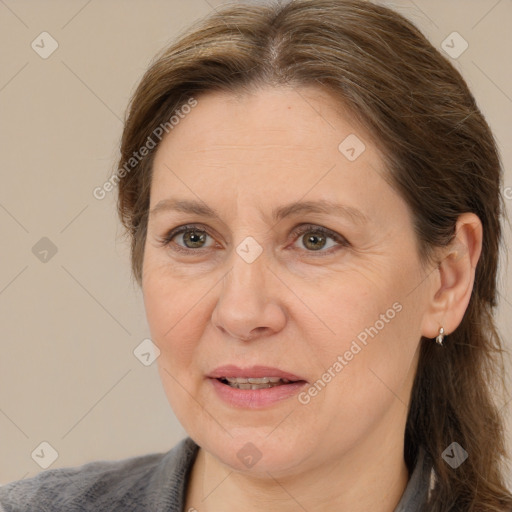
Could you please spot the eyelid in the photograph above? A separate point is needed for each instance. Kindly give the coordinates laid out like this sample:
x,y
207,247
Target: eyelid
x,y
167,238
339,239
295,232
304,228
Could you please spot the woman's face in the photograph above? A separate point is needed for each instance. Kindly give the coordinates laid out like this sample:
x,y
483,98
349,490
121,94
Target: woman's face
x,y
269,279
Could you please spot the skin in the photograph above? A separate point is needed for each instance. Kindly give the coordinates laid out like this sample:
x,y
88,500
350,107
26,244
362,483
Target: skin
x,y
292,308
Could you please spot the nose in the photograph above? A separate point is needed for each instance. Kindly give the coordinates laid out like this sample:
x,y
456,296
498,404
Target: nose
x,y
249,305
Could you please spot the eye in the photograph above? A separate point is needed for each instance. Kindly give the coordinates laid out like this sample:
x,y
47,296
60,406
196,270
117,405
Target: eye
x,y
314,238
193,238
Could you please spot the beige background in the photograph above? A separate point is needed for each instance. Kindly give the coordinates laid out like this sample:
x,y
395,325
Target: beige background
x,y
68,327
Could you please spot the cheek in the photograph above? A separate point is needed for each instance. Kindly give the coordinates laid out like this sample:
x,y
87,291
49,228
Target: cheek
x,y
372,377
172,311
172,314
355,309
374,333
377,361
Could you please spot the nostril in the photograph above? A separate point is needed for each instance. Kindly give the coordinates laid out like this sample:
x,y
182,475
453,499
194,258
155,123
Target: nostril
x,y
254,333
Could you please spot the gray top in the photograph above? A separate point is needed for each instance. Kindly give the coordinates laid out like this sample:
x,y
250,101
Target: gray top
x,y
154,482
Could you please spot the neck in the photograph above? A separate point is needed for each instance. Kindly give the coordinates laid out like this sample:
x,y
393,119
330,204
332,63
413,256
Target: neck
x,y
357,483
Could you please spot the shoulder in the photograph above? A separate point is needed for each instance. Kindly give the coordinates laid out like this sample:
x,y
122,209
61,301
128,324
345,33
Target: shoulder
x,y
146,482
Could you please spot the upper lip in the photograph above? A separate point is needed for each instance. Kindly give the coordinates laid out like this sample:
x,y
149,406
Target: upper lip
x,y
231,370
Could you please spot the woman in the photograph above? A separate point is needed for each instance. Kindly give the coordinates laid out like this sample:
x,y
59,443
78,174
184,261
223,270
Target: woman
x,y
313,201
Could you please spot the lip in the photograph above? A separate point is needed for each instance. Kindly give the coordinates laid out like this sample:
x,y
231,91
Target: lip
x,y
254,398
231,370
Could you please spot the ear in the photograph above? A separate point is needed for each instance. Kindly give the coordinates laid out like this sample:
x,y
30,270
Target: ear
x,y
454,278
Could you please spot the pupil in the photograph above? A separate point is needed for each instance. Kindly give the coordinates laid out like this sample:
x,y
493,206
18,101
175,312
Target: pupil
x,y
312,239
194,237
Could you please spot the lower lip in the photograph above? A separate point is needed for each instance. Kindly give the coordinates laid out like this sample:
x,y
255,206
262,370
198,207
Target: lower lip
x,y
256,398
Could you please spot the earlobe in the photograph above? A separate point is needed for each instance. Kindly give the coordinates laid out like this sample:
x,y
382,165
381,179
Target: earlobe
x,y
450,296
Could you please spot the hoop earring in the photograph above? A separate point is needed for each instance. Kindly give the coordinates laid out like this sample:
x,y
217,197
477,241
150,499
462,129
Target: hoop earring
x,y
440,337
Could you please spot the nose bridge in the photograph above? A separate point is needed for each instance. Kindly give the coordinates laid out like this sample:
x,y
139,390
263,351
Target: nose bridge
x,y
248,264
249,257
247,303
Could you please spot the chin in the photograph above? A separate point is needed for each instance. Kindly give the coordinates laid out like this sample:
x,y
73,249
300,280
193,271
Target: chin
x,y
258,451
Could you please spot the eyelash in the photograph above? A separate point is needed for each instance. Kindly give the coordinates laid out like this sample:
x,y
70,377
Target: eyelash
x,y
166,240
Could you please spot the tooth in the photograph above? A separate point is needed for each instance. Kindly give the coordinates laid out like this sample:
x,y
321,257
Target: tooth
x,y
260,384
263,380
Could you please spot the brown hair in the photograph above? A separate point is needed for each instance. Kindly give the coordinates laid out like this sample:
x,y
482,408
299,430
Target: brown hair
x,y
441,157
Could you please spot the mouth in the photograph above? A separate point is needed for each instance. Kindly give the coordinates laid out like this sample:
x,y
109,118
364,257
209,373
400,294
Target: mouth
x,y
254,387
255,382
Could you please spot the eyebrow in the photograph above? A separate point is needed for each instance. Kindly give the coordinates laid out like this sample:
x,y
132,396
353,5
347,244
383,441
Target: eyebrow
x,y
296,208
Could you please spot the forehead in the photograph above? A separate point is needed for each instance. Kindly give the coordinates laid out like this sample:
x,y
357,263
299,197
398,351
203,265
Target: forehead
x,y
270,144
280,116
